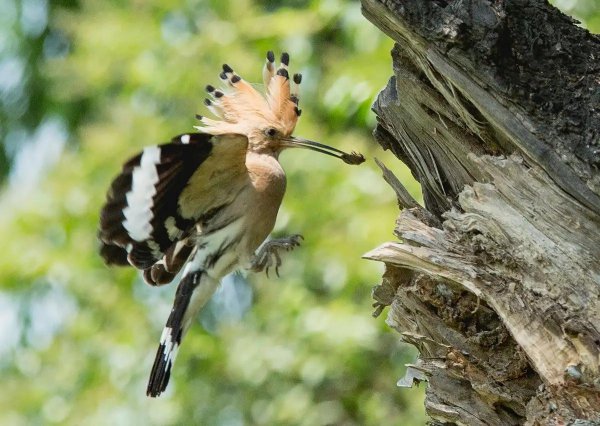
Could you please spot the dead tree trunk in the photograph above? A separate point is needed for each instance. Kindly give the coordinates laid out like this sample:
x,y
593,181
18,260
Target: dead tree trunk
x,y
495,107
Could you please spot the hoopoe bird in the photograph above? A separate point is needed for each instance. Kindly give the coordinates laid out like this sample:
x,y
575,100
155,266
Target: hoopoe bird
x,y
208,200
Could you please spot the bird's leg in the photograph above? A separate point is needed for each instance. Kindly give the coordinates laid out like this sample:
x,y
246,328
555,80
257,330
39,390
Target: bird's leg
x,y
268,254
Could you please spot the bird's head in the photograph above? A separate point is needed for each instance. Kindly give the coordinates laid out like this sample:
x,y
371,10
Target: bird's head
x,y
268,120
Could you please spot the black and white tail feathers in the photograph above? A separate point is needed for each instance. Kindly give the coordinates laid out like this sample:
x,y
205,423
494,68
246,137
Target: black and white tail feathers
x,y
193,292
172,334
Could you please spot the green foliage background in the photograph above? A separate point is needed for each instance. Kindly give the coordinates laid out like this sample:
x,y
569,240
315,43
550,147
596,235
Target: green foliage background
x,y
86,84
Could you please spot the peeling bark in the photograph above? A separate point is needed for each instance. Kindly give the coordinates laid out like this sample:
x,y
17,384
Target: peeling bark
x,y
495,107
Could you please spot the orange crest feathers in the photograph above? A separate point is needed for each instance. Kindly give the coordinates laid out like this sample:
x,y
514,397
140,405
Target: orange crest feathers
x,y
242,109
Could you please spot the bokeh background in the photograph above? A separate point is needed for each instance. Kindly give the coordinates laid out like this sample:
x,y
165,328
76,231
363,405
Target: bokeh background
x,y
86,84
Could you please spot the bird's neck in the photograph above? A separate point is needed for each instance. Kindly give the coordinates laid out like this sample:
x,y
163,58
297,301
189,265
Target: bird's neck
x,y
265,168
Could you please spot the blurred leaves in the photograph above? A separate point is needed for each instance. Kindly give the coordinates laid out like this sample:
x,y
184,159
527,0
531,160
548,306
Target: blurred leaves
x,y
586,11
108,78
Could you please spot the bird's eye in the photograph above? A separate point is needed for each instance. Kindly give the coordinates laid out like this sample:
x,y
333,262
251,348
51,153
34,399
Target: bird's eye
x,y
271,131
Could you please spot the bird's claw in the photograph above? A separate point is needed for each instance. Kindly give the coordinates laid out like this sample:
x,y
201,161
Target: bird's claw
x,y
268,255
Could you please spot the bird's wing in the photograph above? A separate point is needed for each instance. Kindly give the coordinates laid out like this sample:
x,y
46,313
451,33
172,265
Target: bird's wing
x,y
163,192
165,269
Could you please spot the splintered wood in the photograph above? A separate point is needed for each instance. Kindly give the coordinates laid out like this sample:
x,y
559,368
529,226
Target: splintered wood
x,y
496,279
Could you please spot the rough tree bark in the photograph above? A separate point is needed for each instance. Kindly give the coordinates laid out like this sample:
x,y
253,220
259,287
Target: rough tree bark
x,y
495,107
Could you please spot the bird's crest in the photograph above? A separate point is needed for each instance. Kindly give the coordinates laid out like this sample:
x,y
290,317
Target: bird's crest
x,y
242,109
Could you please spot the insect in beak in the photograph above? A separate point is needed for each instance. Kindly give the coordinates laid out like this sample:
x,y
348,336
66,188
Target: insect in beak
x,y
295,142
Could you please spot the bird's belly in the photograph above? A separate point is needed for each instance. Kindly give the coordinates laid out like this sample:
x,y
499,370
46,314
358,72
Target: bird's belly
x,y
218,252
260,220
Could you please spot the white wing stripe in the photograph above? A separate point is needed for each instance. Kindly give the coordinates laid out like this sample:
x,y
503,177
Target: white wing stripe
x,y
138,212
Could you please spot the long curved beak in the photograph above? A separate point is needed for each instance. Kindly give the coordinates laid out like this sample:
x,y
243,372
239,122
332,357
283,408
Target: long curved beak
x,y
352,158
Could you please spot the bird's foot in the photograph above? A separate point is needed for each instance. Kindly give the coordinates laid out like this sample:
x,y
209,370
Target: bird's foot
x,y
268,256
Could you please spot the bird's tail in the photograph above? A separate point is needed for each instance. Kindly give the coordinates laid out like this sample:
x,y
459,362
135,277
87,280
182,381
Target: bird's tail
x,y
192,294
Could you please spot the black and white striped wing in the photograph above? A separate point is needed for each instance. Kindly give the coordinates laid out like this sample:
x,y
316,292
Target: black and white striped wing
x,y
141,219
